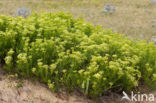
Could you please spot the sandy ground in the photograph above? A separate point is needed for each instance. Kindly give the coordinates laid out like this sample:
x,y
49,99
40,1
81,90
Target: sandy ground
x,y
32,92
16,90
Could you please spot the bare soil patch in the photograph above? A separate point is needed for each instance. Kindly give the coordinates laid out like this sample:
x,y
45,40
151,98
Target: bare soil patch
x,y
15,90
33,92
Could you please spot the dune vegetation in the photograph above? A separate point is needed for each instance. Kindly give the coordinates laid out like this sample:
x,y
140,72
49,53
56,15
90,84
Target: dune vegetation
x,y
62,51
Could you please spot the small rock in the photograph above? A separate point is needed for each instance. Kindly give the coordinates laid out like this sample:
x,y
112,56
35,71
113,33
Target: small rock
x,y
153,39
153,25
153,1
23,12
109,8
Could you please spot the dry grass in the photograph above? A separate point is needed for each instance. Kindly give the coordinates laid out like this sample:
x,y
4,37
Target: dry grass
x,y
132,17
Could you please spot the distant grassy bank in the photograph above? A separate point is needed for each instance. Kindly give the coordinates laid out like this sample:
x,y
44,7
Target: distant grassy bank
x,y
132,17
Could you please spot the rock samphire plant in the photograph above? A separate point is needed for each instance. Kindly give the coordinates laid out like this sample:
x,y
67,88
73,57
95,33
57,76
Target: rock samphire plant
x,y
65,52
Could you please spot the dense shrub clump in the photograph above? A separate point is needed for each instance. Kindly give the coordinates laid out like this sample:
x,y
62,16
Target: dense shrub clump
x,y
66,52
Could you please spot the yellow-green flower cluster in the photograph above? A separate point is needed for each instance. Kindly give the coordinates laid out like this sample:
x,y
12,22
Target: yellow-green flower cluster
x,y
62,51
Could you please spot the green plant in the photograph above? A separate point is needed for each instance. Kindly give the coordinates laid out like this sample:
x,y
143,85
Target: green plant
x,y
66,52
19,85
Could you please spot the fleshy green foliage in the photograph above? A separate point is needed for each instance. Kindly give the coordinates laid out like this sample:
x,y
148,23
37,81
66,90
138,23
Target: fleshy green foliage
x,y
66,52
